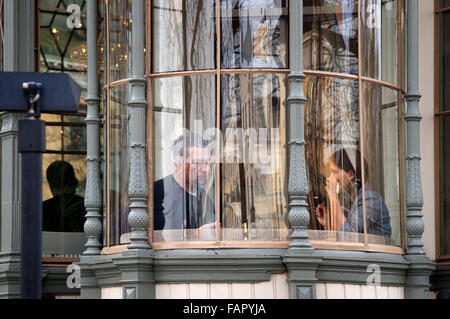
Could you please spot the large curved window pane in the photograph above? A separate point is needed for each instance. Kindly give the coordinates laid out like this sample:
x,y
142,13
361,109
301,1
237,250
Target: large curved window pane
x,y
120,25
379,39
254,34
332,132
253,169
183,35
119,140
330,35
184,112
381,160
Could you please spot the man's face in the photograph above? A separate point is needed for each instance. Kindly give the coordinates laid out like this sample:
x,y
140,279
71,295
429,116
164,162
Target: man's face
x,y
197,165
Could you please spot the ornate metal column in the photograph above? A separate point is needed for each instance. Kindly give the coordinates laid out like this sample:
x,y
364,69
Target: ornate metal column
x,y
138,187
18,57
420,267
300,258
93,198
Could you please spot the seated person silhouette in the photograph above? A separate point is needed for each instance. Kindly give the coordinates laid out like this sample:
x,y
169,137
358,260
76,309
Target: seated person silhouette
x,y
345,177
179,199
65,211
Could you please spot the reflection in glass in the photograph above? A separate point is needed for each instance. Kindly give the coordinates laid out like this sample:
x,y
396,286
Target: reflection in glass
x,y
332,141
341,194
183,35
120,25
444,186
63,49
380,129
330,35
254,34
379,40
253,169
118,164
184,111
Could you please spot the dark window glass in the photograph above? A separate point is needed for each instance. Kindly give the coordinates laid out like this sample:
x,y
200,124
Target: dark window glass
x,y
444,190
445,62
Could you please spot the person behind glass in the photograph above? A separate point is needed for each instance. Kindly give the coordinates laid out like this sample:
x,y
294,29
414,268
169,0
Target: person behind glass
x,y
344,178
179,199
65,211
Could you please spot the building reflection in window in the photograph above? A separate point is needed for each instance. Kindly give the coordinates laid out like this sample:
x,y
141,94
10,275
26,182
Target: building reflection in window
x,y
254,34
253,184
331,36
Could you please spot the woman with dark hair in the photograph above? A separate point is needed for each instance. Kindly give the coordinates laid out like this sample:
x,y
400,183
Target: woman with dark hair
x,y
345,176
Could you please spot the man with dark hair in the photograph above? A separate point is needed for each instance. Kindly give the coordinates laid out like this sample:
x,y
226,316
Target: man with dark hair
x,y
179,199
65,211
345,175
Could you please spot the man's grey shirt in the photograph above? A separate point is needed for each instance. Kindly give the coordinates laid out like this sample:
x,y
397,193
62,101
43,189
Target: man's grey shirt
x,y
175,208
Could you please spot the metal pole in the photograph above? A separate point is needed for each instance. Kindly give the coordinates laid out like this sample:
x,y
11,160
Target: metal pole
x,y
300,259
138,218
93,197
418,279
298,185
31,146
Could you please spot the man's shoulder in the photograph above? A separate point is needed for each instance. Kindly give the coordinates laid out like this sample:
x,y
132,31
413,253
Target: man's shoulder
x,y
165,180
163,186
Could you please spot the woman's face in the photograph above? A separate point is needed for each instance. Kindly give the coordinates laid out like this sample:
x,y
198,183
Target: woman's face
x,y
339,178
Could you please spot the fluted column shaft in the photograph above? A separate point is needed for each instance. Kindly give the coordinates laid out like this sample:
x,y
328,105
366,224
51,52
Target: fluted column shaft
x,y
93,197
138,188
